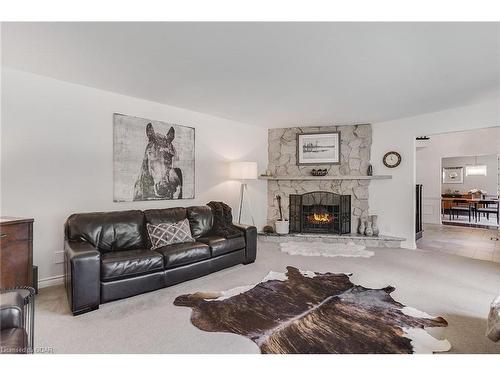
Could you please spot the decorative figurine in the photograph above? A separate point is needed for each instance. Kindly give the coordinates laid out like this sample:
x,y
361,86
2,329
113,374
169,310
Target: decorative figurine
x,y
319,172
369,172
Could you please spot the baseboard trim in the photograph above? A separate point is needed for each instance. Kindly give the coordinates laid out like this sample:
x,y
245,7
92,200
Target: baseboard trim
x,y
409,245
50,281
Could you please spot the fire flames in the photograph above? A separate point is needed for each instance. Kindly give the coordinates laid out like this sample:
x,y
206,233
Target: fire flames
x,y
324,218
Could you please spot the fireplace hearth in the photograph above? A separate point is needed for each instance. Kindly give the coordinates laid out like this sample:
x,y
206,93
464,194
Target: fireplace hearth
x,y
320,212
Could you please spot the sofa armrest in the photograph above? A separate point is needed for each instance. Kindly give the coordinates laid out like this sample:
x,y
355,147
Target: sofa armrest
x,y
11,310
250,241
82,276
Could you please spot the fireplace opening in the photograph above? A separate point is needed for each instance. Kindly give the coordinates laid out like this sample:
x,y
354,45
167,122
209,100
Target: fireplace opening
x,y
320,212
320,218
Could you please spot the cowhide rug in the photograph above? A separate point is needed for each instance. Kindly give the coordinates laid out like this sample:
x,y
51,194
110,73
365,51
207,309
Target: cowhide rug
x,y
309,312
326,249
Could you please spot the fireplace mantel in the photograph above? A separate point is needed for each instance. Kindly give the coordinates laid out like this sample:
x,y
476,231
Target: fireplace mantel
x,y
347,178
310,178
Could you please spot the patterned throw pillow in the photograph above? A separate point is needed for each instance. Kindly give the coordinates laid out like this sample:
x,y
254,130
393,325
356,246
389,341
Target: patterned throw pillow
x,y
168,234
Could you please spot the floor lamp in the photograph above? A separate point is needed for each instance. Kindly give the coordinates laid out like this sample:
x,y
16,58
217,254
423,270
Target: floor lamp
x,y
243,171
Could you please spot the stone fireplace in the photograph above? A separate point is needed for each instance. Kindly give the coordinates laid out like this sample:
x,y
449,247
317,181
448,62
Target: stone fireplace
x,y
293,179
320,212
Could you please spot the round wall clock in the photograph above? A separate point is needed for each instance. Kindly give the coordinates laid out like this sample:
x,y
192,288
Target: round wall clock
x,y
392,159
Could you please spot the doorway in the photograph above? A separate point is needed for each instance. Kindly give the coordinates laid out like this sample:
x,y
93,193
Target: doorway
x,y
470,190
460,174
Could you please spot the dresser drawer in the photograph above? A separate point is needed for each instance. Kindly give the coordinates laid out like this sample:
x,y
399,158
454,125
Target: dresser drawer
x,y
14,232
16,264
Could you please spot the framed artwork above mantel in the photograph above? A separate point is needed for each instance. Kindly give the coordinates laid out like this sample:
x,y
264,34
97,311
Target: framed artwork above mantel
x,y
318,148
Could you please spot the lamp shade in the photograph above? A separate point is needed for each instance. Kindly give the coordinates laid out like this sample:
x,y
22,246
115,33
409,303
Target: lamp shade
x,y
243,170
475,170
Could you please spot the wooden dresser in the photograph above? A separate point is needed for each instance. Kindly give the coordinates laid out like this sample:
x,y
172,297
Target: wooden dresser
x,y
16,252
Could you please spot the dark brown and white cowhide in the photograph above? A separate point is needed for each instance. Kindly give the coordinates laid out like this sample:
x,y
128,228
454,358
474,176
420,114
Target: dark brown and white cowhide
x,y
309,312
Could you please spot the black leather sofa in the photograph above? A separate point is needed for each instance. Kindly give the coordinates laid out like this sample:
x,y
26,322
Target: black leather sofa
x,y
108,255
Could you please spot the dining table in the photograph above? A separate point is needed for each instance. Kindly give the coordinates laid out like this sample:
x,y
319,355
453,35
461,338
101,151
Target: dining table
x,y
472,202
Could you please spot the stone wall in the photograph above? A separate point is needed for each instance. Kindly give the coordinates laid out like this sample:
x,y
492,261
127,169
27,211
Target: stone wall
x,y
355,147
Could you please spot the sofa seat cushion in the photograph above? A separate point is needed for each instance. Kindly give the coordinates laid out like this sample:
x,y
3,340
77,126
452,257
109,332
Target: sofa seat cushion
x,y
122,264
220,245
181,254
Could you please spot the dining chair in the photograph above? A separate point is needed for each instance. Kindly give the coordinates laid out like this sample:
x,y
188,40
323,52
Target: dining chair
x,y
459,206
490,208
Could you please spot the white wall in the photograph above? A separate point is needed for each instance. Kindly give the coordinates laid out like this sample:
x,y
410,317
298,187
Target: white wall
x,y
428,163
394,200
57,156
486,183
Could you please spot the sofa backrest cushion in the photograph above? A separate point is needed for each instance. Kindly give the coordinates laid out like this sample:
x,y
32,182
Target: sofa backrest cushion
x,y
165,215
200,219
109,231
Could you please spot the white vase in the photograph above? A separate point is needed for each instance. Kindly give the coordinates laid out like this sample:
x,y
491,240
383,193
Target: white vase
x,y
282,226
361,227
375,225
368,230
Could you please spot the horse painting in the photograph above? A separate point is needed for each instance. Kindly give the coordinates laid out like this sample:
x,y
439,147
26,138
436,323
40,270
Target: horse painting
x,y
158,179
152,160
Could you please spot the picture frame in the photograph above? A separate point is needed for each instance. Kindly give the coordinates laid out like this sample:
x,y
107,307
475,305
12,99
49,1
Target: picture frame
x,y
152,160
318,148
453,175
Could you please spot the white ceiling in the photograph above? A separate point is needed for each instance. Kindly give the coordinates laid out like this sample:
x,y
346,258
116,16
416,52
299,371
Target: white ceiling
x,y
271,74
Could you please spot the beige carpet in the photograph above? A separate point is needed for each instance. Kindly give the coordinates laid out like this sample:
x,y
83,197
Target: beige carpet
x,y
456,288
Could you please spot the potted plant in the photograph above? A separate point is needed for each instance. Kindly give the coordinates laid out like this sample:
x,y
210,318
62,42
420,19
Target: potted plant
x,y
281,224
